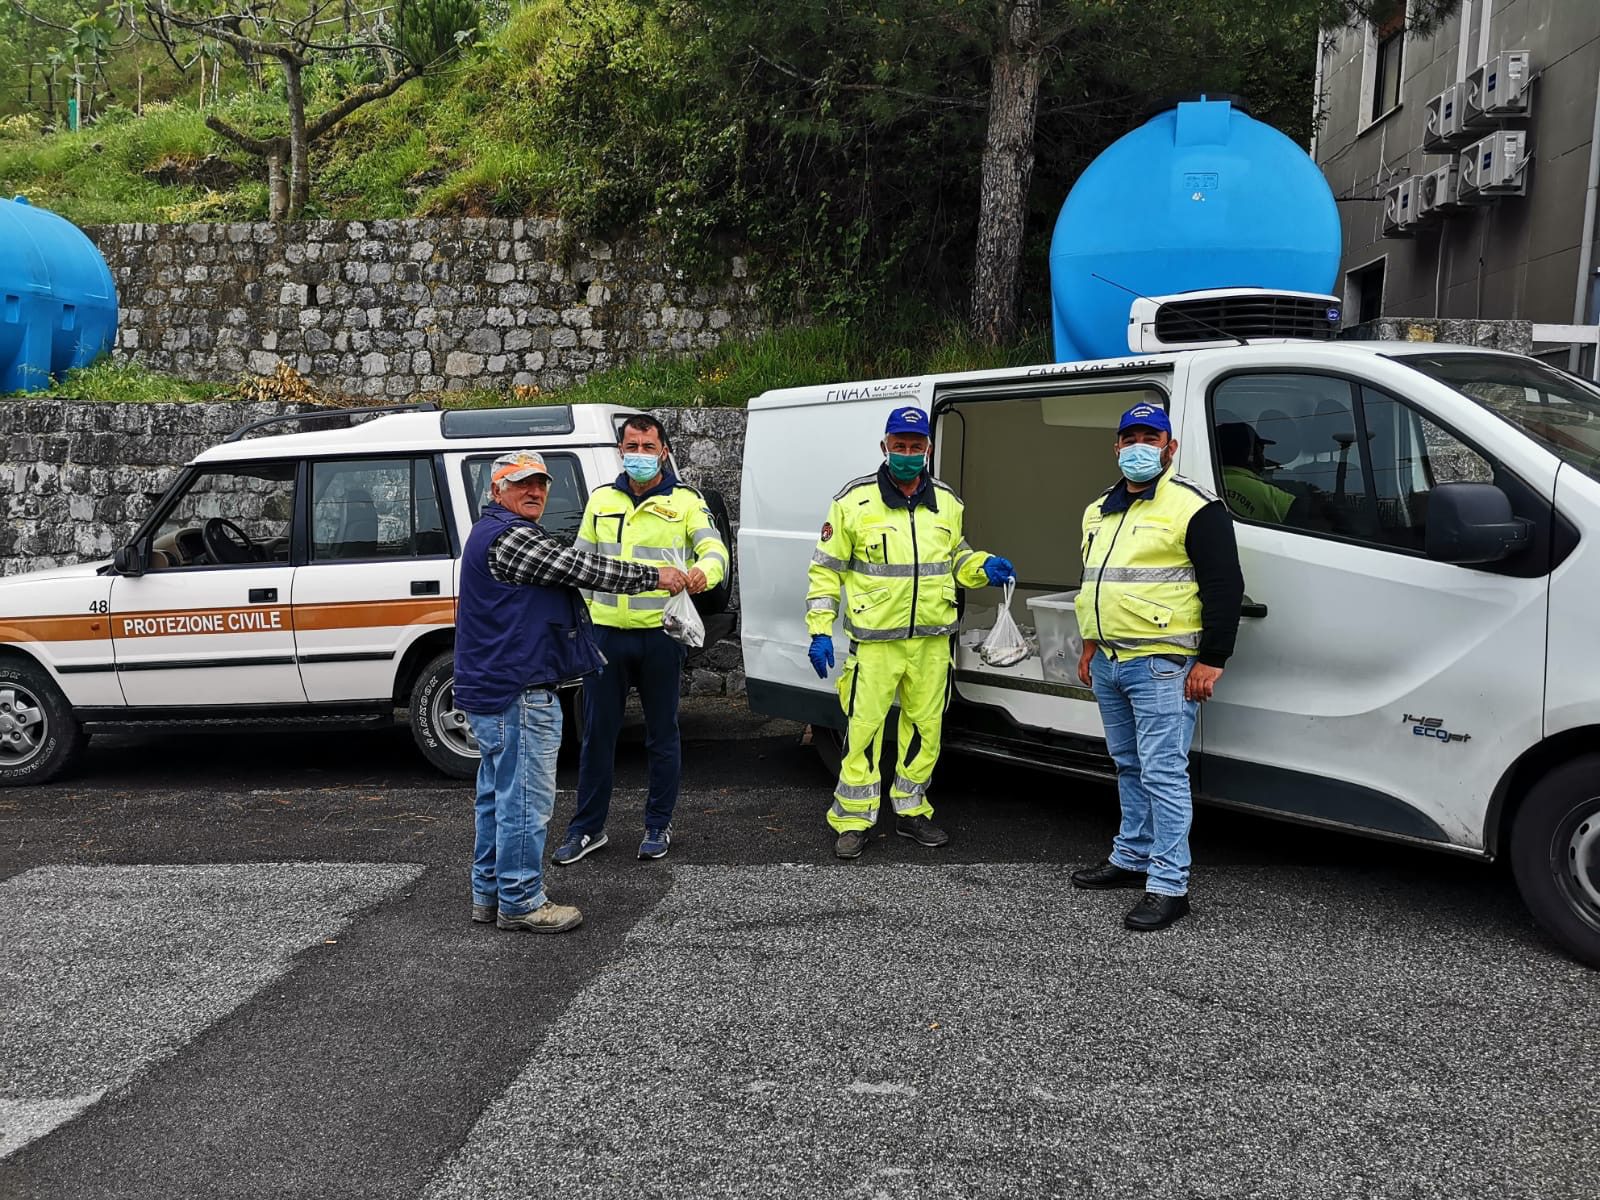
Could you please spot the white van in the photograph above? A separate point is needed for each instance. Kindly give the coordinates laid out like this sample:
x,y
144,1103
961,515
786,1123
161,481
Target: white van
x,y
1413,661
292,579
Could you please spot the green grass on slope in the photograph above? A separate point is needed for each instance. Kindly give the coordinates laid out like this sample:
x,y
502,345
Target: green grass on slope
x,y
110,382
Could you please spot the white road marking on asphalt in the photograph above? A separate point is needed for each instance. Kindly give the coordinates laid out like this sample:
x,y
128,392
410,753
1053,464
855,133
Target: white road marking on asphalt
x,y
107,970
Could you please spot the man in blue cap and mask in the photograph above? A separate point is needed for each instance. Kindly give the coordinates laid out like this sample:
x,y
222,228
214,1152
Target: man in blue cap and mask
x,y
893,543
1159,612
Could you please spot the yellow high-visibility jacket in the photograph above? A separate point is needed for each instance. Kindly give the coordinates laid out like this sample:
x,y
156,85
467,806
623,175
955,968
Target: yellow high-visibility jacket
x,y
669,524
898,565
1139,592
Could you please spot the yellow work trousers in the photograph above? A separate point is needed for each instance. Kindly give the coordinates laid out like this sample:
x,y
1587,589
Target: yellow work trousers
x,y
916,671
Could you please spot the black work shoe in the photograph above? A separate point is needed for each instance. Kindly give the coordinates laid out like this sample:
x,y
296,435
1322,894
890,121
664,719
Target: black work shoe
x,y
850,844
921,830
1106,876
1156,912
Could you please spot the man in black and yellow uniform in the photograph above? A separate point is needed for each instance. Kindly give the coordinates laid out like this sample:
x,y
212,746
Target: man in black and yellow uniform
x,y
1159,612
893,543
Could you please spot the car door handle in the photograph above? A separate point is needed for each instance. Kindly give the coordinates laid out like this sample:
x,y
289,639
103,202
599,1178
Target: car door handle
x,y
263,595
424,587
1251,609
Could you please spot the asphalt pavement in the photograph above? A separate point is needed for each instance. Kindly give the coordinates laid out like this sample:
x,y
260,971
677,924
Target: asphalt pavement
x,y
241,965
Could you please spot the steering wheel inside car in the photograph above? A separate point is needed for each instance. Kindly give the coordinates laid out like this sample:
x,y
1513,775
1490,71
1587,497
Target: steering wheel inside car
x,y
227,543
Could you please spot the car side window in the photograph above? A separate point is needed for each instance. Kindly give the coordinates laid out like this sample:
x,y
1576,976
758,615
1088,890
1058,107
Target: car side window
x,y
228,516
375,509
1327,455
563,511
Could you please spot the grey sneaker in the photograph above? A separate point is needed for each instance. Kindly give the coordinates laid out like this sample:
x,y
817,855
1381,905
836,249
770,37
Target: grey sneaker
x,y
920,830
482,914
850,844
551,918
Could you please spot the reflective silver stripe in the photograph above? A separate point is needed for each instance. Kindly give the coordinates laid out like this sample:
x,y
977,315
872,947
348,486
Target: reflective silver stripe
x,y
713,555
905,804
894,635
611,548
856,791
823,604
604,598
1138,574
827,560
638,603
961,562
899,570
705,535
656,554
586,593
1190,641
584,543
911,788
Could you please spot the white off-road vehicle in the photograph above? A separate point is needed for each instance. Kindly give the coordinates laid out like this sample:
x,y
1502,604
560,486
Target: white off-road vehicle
x,y
301,577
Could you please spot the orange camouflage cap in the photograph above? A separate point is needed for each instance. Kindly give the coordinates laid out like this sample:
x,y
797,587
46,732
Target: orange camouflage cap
x,y
517,466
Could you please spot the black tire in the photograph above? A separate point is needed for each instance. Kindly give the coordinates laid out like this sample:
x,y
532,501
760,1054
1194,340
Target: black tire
x,y
829,745
716,600
437,725
1555,856
40,739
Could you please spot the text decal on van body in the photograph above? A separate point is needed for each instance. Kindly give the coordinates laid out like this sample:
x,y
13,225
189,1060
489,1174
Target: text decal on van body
x,y
234,621
1433,727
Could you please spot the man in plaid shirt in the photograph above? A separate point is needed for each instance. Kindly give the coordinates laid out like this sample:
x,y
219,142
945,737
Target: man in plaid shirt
x,y
522,630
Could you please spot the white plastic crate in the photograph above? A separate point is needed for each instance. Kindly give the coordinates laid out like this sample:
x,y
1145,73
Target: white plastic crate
x,y
1060,643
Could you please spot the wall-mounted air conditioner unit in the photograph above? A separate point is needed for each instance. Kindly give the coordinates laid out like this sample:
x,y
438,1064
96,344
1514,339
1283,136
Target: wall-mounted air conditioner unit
x,y
1497,90
1400,208
1495,166
1445,120
1439,192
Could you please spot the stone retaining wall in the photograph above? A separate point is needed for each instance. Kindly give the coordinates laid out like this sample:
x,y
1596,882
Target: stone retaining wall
x,y
78,479
392,308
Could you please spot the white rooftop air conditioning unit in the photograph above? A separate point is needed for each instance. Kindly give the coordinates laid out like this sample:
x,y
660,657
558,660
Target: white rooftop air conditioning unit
x,y
1445,120
1495,166
1439,192
1400,208
1220,316
1497,90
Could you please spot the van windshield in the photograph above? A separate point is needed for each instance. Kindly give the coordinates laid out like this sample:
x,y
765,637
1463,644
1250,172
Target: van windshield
x,y
1559,411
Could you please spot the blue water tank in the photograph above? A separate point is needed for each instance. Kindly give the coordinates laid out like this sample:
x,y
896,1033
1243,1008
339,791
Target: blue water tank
x,y
58,304
1201,196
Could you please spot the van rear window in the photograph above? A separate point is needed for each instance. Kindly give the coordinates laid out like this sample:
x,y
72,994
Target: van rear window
x,y
528,421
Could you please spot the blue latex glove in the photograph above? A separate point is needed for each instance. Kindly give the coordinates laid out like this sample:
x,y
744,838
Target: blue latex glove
x,y
999,571
821,653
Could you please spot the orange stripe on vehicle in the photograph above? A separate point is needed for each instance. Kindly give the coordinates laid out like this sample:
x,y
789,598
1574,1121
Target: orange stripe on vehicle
x,y
367,614
54,629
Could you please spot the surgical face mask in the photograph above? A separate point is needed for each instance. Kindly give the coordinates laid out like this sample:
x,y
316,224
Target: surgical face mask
x,y
906,467
1139,462
641,468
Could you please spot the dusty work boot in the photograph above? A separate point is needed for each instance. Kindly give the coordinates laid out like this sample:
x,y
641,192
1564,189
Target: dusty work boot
x,y
921,830
550,918
850,844
483,914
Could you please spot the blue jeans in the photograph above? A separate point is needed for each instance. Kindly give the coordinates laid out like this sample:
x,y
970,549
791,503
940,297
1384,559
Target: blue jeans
x,y
516,793
650,660
1149,726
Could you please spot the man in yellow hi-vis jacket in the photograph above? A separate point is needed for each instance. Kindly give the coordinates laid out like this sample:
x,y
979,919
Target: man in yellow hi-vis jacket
x,y
646,516
893,541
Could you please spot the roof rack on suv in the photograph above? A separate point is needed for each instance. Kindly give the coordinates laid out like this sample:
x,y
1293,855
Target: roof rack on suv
x,y
319,413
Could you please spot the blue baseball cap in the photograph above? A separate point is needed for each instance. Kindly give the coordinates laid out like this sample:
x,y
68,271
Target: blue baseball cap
x,y
907,420
1151,416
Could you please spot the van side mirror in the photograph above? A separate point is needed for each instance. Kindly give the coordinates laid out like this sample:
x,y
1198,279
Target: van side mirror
x,y
1471,523
130,560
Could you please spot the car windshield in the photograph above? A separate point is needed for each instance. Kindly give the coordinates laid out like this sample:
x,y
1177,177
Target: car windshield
x,y
1559,411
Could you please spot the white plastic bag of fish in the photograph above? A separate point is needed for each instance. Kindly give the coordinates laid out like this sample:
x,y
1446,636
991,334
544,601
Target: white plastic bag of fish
x,y
681,619
1004,647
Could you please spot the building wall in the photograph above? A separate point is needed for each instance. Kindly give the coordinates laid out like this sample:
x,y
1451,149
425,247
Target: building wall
x,y
396,307
1516,258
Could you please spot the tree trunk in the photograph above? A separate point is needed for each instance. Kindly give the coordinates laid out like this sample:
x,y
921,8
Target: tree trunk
x,y
1018,71
277,184
299,149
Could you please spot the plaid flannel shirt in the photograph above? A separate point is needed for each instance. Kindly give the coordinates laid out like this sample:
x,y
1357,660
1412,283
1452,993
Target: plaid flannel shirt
x,y
524,555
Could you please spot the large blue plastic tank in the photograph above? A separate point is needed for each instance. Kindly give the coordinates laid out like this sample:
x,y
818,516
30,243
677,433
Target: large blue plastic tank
x,y
1201,196
58,304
